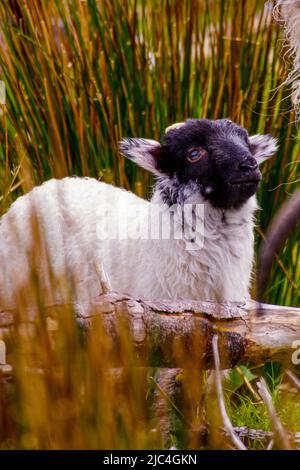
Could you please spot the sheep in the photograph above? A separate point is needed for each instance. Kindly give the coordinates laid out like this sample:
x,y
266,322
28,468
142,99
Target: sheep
x,y
206,176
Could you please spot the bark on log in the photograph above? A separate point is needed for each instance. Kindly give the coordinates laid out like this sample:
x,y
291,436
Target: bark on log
x,y
157,328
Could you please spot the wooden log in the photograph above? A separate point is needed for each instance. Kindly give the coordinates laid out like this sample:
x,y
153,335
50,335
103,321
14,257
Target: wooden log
x,y
156,327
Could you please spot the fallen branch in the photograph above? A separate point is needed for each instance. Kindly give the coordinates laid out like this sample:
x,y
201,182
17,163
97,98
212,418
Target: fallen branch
x,y
155,327
261,435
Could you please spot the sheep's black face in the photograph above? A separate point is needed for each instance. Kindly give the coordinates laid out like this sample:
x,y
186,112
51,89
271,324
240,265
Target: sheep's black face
x,y
218,156
215,154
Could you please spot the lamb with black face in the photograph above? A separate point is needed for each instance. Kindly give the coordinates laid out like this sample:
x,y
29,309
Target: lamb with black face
x,y
219,156
216,154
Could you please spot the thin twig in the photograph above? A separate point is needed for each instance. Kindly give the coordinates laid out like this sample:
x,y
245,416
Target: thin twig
x,y
167,398
270,445
104,279
293,379
217,374
280,435
248,385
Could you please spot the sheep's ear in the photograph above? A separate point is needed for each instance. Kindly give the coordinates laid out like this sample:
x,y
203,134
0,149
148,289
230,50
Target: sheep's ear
x,y
144,152
262,146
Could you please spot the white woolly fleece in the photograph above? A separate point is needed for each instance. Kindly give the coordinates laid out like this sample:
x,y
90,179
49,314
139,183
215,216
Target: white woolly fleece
x,y
71,215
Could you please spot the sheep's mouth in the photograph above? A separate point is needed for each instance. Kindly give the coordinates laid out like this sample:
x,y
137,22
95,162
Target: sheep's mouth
x,y
242,183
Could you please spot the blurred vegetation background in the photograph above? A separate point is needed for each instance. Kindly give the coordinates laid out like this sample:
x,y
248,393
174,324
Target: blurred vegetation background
x,y
81,74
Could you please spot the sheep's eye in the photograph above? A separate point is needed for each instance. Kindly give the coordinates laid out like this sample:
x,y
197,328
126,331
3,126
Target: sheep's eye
x,y
196,154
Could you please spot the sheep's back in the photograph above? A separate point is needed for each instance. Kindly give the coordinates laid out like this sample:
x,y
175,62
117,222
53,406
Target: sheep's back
x,y
55,234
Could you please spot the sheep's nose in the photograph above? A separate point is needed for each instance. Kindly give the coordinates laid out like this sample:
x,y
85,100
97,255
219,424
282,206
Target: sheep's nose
x,y
248,165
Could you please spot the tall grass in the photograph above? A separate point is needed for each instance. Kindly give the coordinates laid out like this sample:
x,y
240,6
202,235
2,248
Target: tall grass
x,y
80,75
